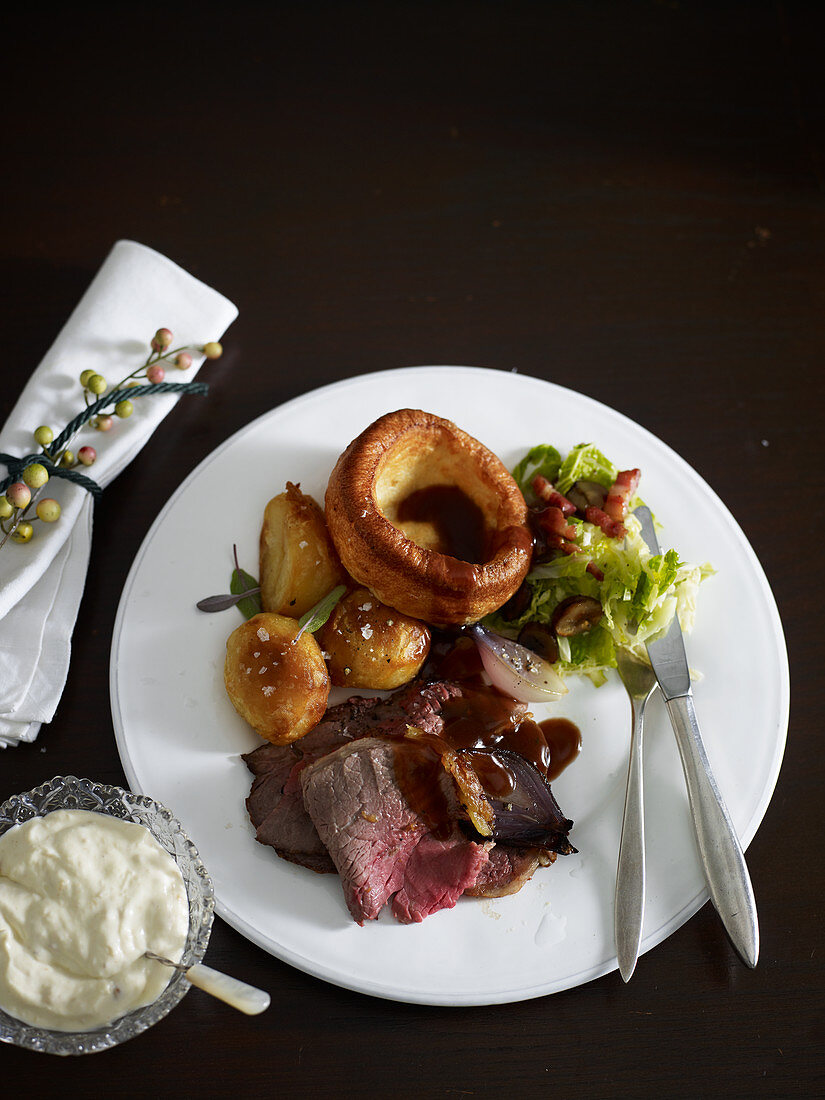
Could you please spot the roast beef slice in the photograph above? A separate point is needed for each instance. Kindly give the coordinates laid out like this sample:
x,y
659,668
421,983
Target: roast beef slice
x,y
380,846
275,803
507,870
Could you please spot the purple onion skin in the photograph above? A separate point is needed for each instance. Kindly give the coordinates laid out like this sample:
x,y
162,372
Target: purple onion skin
x,y
531,814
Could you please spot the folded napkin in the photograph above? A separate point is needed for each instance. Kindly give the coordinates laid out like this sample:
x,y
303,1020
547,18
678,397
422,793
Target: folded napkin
x,y
135,292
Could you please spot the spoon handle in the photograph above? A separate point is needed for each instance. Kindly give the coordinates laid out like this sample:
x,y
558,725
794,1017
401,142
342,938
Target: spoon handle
x,y
246,998
629,905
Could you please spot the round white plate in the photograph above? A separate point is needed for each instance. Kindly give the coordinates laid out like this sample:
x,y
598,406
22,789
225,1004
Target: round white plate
x,y
180,739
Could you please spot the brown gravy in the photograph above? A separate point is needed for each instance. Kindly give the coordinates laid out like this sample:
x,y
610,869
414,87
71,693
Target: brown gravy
x,y
456,518
479,722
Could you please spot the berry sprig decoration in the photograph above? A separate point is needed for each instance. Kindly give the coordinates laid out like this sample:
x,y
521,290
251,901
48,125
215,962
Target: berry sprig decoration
x,y
21,501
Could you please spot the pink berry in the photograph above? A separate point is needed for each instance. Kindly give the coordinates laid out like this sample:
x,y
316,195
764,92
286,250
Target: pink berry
x,y
19,494
87,455
104,423
162,339
183,361
155,373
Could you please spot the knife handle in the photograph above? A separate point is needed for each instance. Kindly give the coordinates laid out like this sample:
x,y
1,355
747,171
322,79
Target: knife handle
x,y
721,853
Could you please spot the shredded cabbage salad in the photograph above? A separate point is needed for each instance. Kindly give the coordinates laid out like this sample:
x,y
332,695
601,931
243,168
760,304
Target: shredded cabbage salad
x,y
639,593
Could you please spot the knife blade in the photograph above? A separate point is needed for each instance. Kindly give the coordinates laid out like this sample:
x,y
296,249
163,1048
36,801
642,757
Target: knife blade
x,y
723,861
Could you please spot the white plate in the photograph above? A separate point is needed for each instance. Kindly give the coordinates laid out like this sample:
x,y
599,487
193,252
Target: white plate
x,y
180,740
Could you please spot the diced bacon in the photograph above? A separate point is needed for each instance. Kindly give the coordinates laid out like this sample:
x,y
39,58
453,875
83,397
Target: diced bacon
x,y
566,547
553,522
594,570
557,531
546,492
612,528
622,489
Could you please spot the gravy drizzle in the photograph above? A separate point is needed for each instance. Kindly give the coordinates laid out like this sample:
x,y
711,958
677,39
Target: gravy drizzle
x,y
482,720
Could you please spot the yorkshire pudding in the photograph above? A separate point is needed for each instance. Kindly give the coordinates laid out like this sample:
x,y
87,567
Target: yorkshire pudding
x,y
428,519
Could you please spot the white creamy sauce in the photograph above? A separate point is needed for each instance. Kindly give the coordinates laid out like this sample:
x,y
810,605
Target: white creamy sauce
x,y
82,897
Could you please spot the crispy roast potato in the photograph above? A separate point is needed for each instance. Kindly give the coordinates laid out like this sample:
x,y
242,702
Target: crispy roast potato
x,y
280,686
370,645
298,562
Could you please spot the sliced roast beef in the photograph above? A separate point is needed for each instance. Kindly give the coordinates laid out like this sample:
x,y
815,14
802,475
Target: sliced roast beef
x,y
267,791
333,801
437,873
276,809
288,829
383,847
507,870
268,758
275,804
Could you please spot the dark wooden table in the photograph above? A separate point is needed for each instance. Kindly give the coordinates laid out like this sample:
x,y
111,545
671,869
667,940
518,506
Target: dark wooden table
x,y
624,198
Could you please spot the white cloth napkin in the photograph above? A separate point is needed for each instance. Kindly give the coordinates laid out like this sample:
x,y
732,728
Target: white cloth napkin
x,y
135,292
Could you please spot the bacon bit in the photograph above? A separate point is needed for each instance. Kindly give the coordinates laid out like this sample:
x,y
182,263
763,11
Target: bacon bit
x,y
546,491
557,531
553,522
612,528
622,489
594,571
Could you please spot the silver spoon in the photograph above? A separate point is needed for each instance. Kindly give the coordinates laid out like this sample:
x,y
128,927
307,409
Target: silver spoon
x,y
246,998
629,906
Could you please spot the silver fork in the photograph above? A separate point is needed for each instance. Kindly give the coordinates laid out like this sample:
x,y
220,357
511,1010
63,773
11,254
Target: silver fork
x,y
629,907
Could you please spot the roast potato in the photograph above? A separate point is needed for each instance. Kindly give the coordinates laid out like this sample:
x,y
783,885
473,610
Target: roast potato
x,y
298,562
370,645
278,684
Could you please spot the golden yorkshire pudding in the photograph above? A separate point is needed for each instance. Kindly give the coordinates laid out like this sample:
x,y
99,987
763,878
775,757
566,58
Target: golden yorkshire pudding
x,y
428,519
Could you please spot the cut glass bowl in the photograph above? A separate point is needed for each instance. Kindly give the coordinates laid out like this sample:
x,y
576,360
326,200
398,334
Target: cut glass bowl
x,y
70,793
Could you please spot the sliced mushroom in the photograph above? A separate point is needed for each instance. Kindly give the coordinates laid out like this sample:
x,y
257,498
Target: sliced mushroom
x,y
575,615
585,494
540,639
518,603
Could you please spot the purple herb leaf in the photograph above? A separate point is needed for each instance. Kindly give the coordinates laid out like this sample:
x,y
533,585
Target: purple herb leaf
x,y
221,603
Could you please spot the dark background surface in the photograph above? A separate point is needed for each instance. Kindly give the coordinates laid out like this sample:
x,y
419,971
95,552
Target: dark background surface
x,y
623,198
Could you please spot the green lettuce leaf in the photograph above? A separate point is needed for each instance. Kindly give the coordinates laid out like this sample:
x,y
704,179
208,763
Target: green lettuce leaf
x,y
585,463
639,593
544,460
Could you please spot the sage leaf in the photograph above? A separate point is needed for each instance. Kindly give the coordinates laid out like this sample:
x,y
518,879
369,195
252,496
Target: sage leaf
x,y
245,586
221,603
315,618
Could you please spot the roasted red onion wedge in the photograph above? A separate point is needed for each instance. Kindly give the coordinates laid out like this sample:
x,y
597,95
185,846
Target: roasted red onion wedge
x,y
530,814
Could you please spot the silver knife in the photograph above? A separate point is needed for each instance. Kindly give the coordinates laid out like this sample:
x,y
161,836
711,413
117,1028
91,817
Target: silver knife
x,y
721,853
